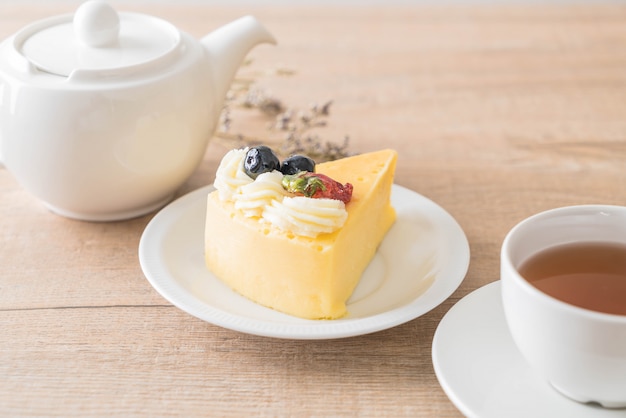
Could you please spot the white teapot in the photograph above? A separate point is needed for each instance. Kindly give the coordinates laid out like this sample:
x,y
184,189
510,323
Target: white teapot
x,y
103,116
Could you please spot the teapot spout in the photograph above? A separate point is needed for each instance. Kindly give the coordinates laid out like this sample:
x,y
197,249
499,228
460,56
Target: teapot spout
x,y
227,47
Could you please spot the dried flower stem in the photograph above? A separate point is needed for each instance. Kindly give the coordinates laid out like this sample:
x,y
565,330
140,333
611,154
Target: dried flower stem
x,y
295,126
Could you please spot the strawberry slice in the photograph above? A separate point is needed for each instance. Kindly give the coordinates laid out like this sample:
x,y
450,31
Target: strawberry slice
x,y
317,186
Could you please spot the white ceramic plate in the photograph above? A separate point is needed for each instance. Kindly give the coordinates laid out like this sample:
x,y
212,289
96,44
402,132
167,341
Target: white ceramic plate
x,y
422,261
483,373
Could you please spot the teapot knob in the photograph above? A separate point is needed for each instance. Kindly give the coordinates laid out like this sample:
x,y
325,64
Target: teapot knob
x,y
96,24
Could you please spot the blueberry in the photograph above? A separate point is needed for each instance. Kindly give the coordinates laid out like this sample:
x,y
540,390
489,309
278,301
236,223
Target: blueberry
x,y
260,160
297,163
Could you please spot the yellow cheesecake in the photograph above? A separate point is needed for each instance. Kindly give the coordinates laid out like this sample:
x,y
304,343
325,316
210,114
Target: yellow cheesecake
x,y
307,277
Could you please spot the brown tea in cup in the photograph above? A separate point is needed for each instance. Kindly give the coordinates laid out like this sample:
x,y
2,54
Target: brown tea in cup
x,y
591,275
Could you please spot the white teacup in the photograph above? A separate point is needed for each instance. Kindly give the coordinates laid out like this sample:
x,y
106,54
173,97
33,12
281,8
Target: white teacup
x,y
582,353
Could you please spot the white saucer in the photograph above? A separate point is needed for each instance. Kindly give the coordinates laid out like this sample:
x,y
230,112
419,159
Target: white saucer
x,y
422,261
483,373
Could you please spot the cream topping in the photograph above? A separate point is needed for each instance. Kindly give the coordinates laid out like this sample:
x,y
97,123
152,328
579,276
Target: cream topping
x,y
230,176
252,198
306,216
266,199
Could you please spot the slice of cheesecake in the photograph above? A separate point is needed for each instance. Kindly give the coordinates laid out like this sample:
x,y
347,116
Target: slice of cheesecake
x,y
301,276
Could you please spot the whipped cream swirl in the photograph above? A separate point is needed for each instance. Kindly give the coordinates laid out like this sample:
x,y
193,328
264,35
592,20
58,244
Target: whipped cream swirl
x,y
230,175
306,216
252,198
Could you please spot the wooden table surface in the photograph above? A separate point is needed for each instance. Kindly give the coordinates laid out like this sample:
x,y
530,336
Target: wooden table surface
x,y
497,113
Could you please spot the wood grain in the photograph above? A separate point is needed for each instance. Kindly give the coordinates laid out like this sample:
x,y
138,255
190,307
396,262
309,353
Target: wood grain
x,y
497,113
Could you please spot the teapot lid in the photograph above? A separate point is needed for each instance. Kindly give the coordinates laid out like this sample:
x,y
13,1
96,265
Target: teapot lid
x,y
98,38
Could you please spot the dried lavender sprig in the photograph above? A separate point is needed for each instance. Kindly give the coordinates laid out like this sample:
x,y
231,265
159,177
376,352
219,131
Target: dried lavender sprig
x,y
297,124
